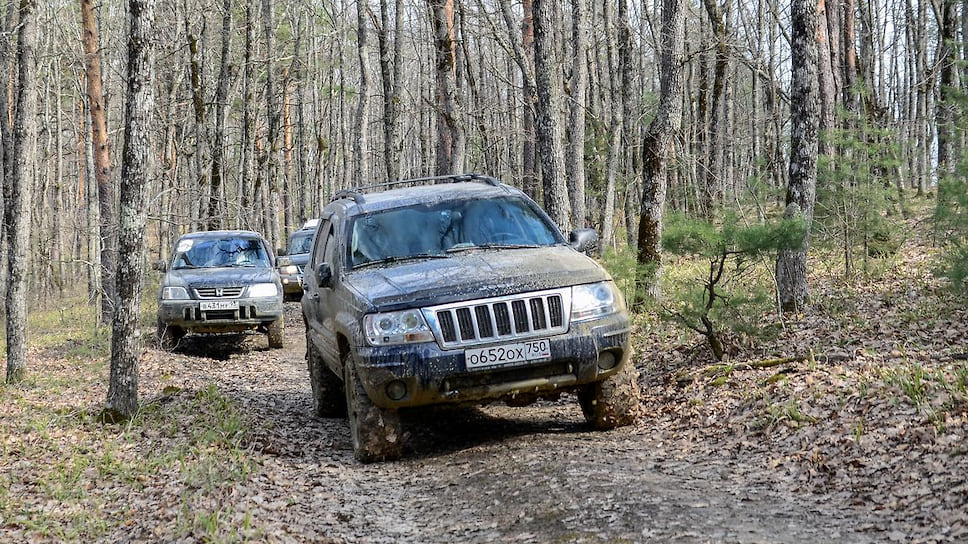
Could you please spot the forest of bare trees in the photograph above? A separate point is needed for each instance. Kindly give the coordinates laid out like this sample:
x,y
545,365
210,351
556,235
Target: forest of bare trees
x,y
608,112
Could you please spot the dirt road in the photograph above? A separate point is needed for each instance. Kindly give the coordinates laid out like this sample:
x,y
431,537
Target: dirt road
x,y
495,474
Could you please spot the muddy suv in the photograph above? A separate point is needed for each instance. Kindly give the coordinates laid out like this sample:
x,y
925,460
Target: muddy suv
x,y
457,290
220,282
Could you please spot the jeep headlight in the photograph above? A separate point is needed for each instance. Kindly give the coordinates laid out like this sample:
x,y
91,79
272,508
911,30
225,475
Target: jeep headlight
x,y
174,293
290,270
594,300
263,290
405,327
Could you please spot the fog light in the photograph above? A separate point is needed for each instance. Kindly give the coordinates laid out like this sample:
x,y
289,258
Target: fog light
x,y
607,360
396,390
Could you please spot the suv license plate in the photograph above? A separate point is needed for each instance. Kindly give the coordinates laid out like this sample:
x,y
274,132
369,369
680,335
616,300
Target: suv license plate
x,y
218,305
508,354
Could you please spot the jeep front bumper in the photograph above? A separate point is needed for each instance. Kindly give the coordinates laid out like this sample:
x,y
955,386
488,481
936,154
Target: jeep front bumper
x,y
423,374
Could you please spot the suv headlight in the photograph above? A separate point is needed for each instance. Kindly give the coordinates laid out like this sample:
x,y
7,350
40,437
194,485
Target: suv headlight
x,y
289,270
594,300
408,326
174,293
263,290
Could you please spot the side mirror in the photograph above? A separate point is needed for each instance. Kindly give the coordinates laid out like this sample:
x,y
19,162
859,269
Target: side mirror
x,y
324,275
160,266
584,240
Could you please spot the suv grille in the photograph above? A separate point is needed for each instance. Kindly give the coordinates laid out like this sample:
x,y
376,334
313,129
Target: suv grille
x,y
218,292
501,319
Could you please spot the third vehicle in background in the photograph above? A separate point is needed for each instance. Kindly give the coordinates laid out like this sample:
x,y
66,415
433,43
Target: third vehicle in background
x,y
292,260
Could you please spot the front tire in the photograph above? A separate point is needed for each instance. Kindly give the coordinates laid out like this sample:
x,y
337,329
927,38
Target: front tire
x,y
275,332
328,399
377,433
612,402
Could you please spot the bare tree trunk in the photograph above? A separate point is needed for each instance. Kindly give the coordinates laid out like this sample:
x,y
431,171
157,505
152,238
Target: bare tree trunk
x,y
215,213
126,345
548,81
852,93
945,109
575,153
827,84
714,170
450,129
615,127
21,191
274,113
246,193
6,143
360,170
523,55
390,67
791,265
102,158
202,188
659,139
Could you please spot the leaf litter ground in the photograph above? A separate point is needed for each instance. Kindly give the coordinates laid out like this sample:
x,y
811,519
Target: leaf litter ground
x,y
855,433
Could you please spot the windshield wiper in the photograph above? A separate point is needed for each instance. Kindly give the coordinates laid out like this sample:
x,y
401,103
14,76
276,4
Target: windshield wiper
x,y
399,258
490,245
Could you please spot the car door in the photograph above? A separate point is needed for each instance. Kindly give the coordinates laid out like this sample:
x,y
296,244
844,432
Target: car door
x,y
318,297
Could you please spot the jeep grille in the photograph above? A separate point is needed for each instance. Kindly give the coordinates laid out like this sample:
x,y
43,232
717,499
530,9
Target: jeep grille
x,y
218,292
500,319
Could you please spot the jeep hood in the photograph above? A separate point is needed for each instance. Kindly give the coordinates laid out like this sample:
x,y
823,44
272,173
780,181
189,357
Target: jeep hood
x,y
473,274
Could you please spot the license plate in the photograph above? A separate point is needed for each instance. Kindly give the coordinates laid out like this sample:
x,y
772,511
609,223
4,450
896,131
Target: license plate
x,y
508,354
218,305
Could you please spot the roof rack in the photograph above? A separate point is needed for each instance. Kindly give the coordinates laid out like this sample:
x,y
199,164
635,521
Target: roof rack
x,y
356,193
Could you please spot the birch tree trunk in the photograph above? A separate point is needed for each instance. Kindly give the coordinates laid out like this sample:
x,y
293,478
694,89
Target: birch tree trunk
x,y
791,265
548,82
126,342
19,205
102,159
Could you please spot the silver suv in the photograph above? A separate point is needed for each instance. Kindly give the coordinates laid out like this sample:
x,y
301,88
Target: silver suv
x,y
219,282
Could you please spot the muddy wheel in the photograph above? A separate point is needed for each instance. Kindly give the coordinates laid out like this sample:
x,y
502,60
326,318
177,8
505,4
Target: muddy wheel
x,y
274,332
613,402
328,398
168,335
377,433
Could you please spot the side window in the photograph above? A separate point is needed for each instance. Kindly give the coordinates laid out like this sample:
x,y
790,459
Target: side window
x,y
323,234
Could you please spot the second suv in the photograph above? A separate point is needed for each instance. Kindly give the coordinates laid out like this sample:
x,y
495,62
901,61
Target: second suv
x,y
457,290
218,282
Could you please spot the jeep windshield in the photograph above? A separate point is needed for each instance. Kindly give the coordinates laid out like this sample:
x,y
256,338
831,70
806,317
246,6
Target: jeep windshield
x,y
440,229
219,253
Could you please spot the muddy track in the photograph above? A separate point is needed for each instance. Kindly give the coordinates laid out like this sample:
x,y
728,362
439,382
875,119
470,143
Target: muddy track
x,y
494,474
